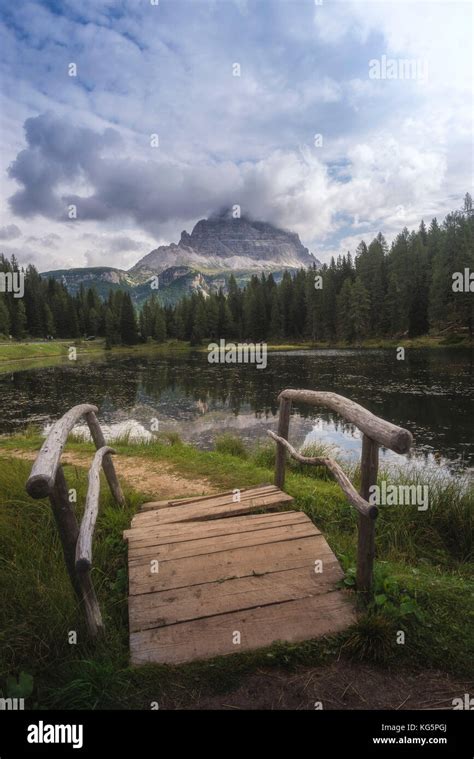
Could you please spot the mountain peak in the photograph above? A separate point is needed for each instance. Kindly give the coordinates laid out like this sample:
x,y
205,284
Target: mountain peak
x,y
225,243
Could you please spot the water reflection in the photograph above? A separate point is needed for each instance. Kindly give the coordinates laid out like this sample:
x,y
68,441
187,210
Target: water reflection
x,y
430,393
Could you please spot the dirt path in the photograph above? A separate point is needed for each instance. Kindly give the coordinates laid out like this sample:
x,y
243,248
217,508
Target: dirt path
x,y
340,685
155,478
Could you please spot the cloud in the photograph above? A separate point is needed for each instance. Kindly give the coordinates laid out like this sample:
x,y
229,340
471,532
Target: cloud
x,y
227,140
10,232
57,152
47,241
290,188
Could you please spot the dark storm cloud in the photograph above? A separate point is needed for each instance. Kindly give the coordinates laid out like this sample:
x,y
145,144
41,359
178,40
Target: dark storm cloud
x,y
146,191
58,152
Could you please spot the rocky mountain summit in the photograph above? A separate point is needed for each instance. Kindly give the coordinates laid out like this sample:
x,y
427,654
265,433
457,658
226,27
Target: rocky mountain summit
x,y
200,261
228,244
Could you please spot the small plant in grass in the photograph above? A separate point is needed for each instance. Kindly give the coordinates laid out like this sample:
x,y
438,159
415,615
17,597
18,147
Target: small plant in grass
x,y
372,639
231,445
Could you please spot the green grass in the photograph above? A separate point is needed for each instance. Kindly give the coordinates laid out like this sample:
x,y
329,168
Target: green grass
x,y
424,584
15,356
23,352
17,351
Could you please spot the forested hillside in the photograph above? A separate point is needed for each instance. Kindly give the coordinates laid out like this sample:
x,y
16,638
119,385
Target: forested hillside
x,y
406,289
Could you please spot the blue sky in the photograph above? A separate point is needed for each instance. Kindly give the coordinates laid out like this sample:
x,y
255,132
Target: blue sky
x,y
393,150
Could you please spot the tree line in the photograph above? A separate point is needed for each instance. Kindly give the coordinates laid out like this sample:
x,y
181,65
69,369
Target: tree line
x,y
382,291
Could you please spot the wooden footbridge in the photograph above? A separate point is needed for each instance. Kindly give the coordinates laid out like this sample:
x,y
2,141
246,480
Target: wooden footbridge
x,y
224,573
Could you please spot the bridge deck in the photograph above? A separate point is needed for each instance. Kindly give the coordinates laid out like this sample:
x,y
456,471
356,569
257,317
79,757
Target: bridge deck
x,y
211,576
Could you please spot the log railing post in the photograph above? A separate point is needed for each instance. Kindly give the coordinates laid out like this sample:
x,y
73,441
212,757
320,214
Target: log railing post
x,y
66,523
369,464
107,463
47,480
68,529
283,427
375,432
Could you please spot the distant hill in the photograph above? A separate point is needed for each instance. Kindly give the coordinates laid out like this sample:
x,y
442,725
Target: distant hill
x,y
201,261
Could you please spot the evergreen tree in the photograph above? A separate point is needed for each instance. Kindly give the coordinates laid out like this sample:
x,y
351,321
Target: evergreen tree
x,y
128,322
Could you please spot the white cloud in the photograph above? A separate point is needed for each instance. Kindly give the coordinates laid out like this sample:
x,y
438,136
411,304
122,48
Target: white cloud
x,y
225,140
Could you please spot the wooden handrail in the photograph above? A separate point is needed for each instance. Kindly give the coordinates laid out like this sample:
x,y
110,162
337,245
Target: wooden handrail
x,y
382,432
86,531
47,479
376,432
43,474
356,500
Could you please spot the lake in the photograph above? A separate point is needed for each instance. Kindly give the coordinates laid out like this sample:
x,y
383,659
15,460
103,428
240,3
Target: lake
x,y
430,393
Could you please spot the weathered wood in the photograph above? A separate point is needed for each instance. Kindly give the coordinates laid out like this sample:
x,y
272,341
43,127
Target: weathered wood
x,y
382,432
198,512
107,463
363,507
297,620
84,541
43,473
68,530
206,500
177,533
236,562
144,516
215,544
91,606
283,427
194,580
47,479
366,536
66,523
197,602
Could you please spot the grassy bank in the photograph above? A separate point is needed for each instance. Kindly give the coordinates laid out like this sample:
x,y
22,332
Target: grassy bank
x,y
424,584
26,355
29,351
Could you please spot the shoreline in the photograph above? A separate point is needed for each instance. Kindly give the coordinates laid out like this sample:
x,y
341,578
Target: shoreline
x,y
37,351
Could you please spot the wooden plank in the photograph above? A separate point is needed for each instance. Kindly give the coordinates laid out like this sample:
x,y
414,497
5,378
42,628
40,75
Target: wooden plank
x,y
215,498
175,533
237,562
227,495
292,621
208,503
214,544
191,512
151,610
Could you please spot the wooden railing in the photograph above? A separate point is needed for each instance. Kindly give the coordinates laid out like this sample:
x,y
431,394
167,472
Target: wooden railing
x,y
375,432
47,480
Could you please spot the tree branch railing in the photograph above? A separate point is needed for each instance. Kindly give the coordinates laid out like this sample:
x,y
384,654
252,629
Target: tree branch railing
x,y
375,432
47,480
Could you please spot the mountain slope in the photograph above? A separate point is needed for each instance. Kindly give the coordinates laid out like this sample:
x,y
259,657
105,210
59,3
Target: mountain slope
x,y
202,261
226,244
